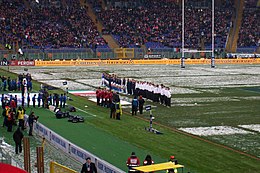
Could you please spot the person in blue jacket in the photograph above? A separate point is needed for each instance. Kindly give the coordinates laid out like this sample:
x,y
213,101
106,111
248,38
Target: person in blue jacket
x,y
135,105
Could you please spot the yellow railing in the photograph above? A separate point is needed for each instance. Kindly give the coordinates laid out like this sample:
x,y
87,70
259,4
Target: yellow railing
x,y
239,13
58,168
124,53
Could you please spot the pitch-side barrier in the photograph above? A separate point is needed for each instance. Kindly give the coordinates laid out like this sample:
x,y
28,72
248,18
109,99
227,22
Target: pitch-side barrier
x,y
100,62
144,62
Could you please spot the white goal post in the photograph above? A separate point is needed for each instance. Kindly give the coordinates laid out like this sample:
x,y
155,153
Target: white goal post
x,y
183,37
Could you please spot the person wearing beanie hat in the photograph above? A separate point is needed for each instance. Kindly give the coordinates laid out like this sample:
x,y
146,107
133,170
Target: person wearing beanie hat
x,y
172,159
132,161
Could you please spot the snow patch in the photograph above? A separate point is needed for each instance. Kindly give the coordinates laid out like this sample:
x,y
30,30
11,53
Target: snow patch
x,y
214,130
255,127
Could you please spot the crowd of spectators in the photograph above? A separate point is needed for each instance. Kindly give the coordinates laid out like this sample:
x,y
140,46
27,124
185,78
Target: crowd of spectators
x,y
154,23
249,35
48,24
9,10
158,23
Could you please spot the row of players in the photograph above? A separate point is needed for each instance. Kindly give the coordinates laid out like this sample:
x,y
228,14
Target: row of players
x,y
151,91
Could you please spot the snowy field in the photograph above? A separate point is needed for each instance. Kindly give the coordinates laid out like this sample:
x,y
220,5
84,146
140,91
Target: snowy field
x,y
179,80
254,127
192,79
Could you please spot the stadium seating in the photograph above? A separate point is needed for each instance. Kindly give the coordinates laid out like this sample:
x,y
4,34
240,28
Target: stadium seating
x,y
157,23
48,24
153,23
249,33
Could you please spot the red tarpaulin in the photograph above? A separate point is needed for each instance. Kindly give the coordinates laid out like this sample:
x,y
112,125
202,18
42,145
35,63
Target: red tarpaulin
x,y
5,168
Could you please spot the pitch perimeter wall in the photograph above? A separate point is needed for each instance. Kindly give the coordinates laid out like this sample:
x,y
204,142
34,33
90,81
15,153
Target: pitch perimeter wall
x,y
145,62
99,62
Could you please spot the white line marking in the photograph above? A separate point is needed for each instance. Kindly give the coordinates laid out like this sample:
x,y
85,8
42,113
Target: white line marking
x,y
86,112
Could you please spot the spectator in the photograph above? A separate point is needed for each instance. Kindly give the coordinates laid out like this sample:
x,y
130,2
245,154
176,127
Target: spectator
x,y
61,25
88,167
157,23
18,136
249,32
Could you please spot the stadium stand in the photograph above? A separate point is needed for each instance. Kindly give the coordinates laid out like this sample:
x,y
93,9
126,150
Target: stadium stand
x,y
49,24
157,24
138,24
249,35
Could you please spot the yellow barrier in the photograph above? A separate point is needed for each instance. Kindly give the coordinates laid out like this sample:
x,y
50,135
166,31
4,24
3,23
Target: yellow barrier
x,y
124,53
58,168
68,63
144,62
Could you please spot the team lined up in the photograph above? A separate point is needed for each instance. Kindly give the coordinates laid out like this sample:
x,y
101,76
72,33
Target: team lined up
x,y
154,92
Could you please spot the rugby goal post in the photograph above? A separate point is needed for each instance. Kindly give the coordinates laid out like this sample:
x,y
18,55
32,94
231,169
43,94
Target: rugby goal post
x,y
196,51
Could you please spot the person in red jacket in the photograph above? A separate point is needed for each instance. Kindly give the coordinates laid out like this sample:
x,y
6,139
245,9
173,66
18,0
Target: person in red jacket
x,y
98,92
131,162
110,98
106,97
13,105
10,120
102,97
